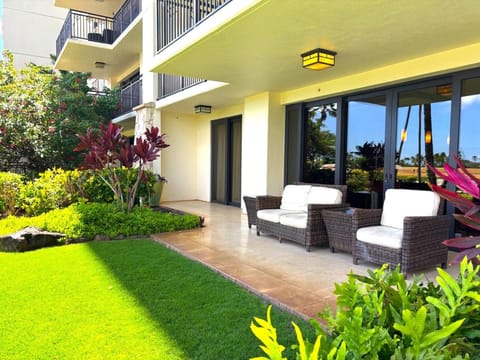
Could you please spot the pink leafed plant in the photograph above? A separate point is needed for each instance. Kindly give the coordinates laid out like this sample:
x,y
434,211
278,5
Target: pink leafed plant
x,y
107,150
470,209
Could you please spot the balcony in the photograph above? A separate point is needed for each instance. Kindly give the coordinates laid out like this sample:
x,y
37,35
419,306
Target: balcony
x,y
130,96
91,38
80,25
177,17
172,84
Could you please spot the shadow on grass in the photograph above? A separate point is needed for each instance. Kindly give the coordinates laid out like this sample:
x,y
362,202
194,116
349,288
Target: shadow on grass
x,y
207,315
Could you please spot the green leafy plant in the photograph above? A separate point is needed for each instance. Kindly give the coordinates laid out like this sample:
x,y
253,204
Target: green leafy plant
x,y
84,221
55,188
381,316
10,185
107,150
41,110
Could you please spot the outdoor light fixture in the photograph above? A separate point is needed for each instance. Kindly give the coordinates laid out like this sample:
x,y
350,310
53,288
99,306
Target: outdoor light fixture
x,y
99,65
204,109
444,90
428,137
403,135
318,59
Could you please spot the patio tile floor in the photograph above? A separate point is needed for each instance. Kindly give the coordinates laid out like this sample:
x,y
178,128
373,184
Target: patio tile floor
x,y
284,274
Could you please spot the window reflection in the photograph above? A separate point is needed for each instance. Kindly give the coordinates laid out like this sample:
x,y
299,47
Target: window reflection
x,y
469,146
320,140
423,134
365,151
469,149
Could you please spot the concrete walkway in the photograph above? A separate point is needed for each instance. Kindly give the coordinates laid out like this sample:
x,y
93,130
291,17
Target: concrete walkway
x,y
284,274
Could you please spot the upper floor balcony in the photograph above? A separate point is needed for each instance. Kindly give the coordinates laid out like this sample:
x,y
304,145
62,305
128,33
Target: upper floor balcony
x,y
177,17
95,42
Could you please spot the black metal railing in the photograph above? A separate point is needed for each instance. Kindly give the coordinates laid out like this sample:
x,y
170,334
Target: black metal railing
x,y
130,96
171,84
125,15
177,17
81,25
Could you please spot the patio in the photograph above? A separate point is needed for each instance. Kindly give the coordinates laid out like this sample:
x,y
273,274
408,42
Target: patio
x,y
283,274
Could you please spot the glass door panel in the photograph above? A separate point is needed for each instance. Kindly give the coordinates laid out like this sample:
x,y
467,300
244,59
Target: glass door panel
x,y
226,161
366,151
236,161
423,128
219,161
469,145
320,142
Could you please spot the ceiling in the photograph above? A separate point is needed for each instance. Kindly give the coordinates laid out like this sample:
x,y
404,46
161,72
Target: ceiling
x,y
98,7
260,50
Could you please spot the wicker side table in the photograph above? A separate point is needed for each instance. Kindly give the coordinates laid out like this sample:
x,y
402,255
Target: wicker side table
x,y
339,229
251,207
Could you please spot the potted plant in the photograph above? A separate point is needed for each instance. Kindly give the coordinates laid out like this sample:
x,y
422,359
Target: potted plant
x,y
157,190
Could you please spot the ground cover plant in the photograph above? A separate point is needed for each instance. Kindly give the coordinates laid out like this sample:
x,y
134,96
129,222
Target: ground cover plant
x,y
85,221
126,299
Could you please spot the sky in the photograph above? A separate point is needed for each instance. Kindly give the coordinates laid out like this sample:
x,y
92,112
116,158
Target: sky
x,y
367,123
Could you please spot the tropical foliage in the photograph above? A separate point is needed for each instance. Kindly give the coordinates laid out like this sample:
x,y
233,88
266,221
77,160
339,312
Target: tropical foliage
x,y
468,206
40,112
381,316
107,150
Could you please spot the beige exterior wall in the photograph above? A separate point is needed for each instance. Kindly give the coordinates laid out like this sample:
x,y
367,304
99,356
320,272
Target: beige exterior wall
x,y
262,145
179,160
30,29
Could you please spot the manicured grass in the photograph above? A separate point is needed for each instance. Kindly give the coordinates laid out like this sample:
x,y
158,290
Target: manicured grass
x,y
131,299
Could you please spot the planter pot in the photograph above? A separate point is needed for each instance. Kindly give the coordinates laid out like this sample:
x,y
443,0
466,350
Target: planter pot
x,y
157,193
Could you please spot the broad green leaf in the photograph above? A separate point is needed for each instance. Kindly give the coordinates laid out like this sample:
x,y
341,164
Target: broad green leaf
x,y
438,335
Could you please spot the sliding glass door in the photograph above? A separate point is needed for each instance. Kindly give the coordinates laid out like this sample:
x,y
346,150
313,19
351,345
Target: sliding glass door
x,y
423,134
226,161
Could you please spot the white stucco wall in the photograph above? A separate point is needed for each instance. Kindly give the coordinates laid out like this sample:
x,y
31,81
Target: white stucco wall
x,y
30,29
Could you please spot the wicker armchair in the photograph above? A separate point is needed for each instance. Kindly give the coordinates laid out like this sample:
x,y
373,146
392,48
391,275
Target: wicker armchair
x,y
312,232
408,231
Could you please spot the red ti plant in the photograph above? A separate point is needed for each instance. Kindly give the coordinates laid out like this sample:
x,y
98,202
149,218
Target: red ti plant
x,y
107,149
470,210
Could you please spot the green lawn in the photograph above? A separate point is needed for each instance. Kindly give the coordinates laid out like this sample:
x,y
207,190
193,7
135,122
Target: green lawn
x,y
130,299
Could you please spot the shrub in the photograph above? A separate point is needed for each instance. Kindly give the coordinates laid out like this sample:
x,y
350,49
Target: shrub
x,y
95,189
107,149
84,221
10,185
56,188
380,316
358,180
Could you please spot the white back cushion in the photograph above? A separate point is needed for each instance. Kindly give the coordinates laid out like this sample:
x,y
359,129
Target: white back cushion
x,y
294,197
402,202
324,195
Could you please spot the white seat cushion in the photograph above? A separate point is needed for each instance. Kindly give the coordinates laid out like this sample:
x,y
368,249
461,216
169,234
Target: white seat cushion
x,y
298,220
273,215
294,197
323,195
386,236
400,203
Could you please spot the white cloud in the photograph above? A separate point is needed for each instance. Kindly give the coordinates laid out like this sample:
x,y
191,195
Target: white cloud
x,y
470,100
